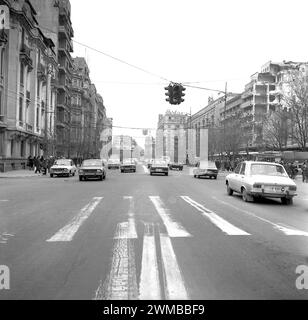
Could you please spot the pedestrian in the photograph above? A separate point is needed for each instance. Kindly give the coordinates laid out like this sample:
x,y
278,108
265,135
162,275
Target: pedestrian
x,y
43,165
37,165
30,162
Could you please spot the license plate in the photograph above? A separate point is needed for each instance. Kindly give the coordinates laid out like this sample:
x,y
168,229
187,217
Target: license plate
x,y
159,170
275,189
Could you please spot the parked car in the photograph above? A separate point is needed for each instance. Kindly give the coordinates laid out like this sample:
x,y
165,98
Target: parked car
x,y
205,169
114,163
159,166
128,165
92,169
176,165
253,179
63,167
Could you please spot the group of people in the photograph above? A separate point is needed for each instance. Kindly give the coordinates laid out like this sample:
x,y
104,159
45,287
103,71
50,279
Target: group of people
x,y
40,165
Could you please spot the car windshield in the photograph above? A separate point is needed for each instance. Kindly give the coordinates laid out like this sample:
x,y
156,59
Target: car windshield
x,y
63,163
128,161
268,170
92,163
207,165
159,162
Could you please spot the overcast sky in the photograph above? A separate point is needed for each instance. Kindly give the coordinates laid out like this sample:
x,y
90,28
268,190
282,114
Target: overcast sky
x,y
204,41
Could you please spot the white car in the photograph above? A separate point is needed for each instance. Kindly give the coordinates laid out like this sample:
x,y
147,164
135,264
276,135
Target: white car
x,y
63,167
206,169
254,179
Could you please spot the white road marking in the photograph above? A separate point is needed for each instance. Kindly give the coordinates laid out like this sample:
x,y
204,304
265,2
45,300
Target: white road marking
x,y
127,230
175,230
67,233
4,237
4,200
289,231
149,288
121,283
221,223
173,280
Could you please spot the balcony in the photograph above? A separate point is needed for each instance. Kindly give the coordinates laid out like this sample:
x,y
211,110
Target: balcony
x,y
29,128
247,93
21,123
2,121
25,56
246,104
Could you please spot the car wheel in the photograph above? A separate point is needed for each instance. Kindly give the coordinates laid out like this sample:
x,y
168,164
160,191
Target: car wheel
x,y
51,175
287,201
229,191
80,178
215,177
73,174
167,174
101,178
151,173
246,197
195,176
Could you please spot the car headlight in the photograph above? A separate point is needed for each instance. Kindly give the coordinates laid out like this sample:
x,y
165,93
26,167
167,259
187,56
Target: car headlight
x,y
99,171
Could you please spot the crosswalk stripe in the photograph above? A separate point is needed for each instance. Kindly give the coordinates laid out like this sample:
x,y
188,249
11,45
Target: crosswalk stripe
x,y
121,283
149,288
221,223
67,233
174,283
287,230
175,230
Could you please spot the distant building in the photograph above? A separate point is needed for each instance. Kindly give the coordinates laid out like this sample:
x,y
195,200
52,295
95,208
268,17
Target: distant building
x,y
171,137
149,147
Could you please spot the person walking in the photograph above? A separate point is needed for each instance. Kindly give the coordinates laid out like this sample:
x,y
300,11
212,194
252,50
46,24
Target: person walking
x,y
30,162
37,165
43,165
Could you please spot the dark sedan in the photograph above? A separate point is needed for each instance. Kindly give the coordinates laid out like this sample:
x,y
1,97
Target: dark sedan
x,y
176,166
159,166
92,169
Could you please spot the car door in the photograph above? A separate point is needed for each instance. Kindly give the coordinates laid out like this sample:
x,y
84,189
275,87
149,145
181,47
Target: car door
x,y
242,176
235,179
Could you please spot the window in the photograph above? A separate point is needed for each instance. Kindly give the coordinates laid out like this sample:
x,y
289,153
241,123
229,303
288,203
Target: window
x,y
2,63
12,148
22,148
238,168
22,74
242,172
1,103
21,109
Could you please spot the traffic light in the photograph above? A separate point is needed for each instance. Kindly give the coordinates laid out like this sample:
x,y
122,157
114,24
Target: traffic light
x,y
169,93
175,93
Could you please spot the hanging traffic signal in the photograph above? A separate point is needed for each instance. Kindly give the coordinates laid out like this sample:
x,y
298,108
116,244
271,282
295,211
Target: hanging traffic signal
x,y
175,93
169,93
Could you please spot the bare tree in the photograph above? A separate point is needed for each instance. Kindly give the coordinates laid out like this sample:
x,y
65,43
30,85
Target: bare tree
x,y
275,129
295,98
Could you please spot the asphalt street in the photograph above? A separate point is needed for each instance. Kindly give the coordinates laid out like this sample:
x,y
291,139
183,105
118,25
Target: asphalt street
x,y
136,236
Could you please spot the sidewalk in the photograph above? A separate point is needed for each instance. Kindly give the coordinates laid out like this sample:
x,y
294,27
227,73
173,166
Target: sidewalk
x,y
19,174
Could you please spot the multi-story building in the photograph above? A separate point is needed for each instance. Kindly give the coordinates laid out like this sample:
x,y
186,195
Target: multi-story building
x,y
88,113
106,138
149,147
171,137
27,87
54,18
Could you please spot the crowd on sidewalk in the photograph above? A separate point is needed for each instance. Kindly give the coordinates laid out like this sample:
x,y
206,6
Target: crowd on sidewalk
x,y
40,165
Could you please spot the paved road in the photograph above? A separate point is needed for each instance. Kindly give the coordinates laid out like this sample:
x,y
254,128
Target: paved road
x,y
134,236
